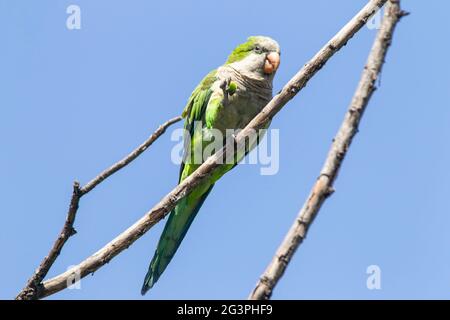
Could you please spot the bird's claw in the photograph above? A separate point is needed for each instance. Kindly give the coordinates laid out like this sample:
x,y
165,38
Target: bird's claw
x,y
228,86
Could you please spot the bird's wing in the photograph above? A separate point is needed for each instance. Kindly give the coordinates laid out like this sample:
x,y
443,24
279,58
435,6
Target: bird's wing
x,y
184,213
195,110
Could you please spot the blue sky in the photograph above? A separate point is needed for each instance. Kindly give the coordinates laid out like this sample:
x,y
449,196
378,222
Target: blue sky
x,y
74,102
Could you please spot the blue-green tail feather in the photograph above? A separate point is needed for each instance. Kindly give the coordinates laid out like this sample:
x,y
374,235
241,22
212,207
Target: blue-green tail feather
x,y
180,219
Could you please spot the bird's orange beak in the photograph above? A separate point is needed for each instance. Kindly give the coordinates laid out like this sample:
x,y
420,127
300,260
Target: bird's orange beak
x,y
272,62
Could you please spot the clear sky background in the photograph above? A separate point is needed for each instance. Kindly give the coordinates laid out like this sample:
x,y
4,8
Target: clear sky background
x,y
74,102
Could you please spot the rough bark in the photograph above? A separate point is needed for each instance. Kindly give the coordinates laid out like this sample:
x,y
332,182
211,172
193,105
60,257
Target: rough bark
x,y
323,187
33,287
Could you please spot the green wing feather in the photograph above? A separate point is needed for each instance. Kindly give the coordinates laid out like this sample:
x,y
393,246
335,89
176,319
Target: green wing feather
x,y
184,213
195,110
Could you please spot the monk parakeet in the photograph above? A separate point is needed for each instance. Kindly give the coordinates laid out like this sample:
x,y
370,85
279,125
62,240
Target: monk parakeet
x,y
227,98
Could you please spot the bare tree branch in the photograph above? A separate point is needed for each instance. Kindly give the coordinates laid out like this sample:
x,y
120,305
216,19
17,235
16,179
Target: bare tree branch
x,y
125,239
133,155
34,287
324,184
33,284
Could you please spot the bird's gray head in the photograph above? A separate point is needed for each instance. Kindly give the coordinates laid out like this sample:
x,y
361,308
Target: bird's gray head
x,y
258,57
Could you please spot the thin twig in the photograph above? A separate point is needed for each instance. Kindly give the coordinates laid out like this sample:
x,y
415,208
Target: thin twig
x,y
324,184
125,239
133,155
34,285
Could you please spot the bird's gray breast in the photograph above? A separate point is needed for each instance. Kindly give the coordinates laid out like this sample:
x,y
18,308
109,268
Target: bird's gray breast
x,y
243,105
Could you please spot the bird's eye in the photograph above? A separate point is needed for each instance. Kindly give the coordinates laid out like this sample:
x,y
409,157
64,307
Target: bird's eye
x,y
258,49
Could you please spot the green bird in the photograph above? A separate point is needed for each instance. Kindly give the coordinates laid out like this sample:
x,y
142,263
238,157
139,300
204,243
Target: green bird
x,y
227,98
